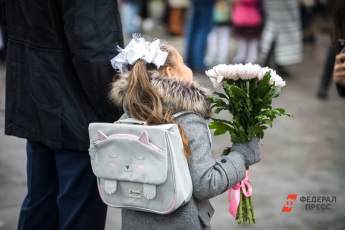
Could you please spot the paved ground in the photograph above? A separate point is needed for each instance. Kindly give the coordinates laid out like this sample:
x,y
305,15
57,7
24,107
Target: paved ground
x,y
304,155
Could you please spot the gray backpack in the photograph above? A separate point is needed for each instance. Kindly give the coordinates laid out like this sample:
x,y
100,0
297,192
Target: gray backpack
x,y
140,167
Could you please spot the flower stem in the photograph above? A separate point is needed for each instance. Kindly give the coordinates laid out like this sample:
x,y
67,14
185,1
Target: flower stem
x,y
245,211
252,209
239,217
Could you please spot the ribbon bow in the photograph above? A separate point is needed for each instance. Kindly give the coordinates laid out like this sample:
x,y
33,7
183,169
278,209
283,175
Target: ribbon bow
x,y
137,49
234,194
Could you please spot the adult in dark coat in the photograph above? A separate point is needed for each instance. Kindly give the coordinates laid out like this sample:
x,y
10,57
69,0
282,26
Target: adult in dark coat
x,y
337,8
58,77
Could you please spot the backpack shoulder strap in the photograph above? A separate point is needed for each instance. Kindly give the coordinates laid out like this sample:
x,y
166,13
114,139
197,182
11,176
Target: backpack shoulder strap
x,y
129,120
179,114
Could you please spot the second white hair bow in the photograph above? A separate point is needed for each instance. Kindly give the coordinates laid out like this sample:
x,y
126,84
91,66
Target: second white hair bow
x,y
137,49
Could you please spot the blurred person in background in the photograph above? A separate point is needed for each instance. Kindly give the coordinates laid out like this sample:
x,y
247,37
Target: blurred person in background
x,y
147,23
219,38
199,25
165,14
282,36
326,26
327,73
144,9
307,10
247,24
57,80
131,20
338,15
177,15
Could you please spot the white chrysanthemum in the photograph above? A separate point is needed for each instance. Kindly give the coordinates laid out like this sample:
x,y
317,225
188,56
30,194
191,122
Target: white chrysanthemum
x,y
211,73
216,81
276,80
243,72
262,72
233,72
215,77
248,71
223,70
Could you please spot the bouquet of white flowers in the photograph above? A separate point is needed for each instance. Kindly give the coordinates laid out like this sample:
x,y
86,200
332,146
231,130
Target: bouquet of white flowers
x,y
248,93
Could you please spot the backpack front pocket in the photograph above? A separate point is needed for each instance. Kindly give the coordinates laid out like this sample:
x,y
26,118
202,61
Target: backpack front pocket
x,y
129,157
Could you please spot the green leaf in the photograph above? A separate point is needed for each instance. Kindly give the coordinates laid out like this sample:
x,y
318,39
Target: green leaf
x,y
217,103
237,91
219,127
263,86
227,90
282,112
276,92
221,95
222,121
218,110
226,151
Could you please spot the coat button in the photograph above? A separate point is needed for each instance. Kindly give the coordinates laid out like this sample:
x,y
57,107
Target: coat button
x,y
223,160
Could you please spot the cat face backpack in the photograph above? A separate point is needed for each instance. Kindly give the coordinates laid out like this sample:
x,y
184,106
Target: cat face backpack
x,y
140,167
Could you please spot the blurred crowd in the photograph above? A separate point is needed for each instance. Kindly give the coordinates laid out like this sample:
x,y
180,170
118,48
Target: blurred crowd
x,y
267,32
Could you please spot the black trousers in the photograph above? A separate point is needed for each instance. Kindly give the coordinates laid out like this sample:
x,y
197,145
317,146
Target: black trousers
x,y
62,191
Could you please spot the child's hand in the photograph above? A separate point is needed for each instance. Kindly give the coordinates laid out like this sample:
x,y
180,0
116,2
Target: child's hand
x,y
339,69
250,151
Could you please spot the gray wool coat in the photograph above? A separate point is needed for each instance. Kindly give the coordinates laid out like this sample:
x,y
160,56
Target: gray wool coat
x,y
210,176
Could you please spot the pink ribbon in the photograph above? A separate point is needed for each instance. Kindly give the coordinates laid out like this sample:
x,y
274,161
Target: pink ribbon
x,y
234,194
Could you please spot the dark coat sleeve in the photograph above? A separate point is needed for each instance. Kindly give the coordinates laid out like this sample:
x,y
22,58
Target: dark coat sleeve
x,y
93,31
341,90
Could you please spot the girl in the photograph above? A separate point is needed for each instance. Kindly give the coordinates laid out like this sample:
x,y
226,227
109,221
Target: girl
x,y
154,95
247,22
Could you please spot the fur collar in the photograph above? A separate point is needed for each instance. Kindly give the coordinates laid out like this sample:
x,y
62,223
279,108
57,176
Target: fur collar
x,y
176,95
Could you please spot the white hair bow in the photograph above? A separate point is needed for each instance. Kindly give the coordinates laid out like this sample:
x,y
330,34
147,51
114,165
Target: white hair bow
x,y
137,49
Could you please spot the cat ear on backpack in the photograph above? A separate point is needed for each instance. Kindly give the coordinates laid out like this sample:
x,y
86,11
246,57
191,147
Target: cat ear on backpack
x,y
101,136
144,138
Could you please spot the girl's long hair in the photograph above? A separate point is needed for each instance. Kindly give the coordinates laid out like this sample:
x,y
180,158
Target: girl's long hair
x,y
143,101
